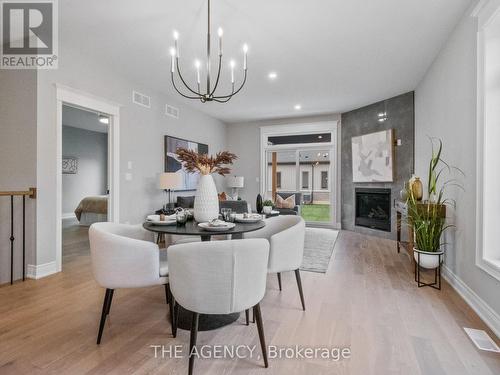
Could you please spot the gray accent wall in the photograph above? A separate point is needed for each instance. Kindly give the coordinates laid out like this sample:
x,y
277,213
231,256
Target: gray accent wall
x,y
401,118
91,151
17,164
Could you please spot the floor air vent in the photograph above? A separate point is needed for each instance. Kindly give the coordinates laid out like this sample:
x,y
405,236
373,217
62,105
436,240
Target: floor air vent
x,y
171,111
482,340
141,99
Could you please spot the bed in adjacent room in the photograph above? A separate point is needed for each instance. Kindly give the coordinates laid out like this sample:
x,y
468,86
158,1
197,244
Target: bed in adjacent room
x,y
92,209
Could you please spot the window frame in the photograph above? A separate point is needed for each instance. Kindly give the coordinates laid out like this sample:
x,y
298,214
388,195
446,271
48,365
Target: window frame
x,y
485,11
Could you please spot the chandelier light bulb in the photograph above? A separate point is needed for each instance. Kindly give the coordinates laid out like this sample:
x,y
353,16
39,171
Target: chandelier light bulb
x,y
197,64
172,62
220,32
232,64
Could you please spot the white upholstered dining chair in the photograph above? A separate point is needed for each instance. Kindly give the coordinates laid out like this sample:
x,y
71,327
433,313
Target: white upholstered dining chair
x,y
124,256
220,277
285,234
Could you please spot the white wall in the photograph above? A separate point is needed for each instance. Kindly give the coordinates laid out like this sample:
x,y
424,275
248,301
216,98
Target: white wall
x,y
445,104
141,137
17,164
244,140
91,151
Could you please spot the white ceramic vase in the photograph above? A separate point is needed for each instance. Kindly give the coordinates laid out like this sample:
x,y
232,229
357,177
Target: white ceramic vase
x,y
206,201
429,260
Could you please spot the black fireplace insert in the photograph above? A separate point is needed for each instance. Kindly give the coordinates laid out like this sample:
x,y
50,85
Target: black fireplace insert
x,y
373,208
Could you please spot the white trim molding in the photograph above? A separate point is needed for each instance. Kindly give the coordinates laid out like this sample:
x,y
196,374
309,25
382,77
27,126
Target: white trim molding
x,y
68,215
42,270
485,312
485,12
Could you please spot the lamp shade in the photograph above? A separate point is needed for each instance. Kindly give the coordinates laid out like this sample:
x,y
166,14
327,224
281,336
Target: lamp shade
x,y
235,181
170,180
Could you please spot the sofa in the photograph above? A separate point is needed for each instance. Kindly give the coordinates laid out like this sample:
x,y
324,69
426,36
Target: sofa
x,y
238,207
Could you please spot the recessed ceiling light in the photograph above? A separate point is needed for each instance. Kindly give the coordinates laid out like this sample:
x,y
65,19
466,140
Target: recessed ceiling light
x,y
272,75
297,107
104,120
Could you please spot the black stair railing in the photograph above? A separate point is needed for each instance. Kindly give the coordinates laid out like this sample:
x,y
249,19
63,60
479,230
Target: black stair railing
x,y
31,193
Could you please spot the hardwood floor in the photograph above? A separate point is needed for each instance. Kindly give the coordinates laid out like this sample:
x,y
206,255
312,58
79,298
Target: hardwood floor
x,y
367,301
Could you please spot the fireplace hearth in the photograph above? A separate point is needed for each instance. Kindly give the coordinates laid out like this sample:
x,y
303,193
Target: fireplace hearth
x,y
373,208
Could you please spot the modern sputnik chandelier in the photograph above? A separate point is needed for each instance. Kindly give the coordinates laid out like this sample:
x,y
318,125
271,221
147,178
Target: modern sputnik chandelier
x,y
209,95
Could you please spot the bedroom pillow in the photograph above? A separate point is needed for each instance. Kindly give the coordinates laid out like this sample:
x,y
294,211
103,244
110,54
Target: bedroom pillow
x,y
285,203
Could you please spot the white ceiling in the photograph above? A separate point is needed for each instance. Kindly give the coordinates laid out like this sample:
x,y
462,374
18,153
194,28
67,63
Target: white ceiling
x,y
330,55
82,119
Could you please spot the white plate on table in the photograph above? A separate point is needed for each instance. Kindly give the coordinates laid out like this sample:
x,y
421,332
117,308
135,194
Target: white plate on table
x,y
155,220
218,228
253,218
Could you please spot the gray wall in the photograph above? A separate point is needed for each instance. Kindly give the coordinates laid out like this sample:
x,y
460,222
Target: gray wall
x,y
400,112
244,140
17,163
445,104
141,136
91,150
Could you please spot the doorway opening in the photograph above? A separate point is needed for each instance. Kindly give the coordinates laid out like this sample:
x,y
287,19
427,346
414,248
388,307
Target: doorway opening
x,y
87,169
85,189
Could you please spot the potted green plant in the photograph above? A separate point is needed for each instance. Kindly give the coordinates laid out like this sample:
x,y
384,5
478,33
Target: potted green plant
x,y
428,218
267,206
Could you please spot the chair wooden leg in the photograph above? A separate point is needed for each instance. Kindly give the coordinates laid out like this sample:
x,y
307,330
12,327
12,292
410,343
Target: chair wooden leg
x,y
104,313
260,328
299,284
279,280
175,315
247,316
192,341
108,308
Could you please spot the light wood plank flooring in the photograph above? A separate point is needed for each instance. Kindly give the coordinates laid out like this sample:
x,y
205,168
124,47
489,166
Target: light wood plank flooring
x,y
367,301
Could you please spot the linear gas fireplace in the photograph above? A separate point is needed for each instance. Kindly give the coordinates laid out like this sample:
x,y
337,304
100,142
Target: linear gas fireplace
x,y
373,208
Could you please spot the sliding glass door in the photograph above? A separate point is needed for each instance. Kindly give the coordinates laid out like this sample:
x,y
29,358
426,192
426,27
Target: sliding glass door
x,y
305,173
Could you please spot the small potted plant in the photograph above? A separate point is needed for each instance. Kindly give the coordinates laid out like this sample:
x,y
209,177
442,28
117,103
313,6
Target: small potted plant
x,y
428,219
267,206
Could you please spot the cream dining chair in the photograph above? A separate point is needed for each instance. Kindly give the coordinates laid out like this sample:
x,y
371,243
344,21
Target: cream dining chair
x,y
285,234
219,277
124,256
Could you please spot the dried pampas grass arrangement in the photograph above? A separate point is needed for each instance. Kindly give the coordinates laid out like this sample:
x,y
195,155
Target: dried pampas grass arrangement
x,y
205,164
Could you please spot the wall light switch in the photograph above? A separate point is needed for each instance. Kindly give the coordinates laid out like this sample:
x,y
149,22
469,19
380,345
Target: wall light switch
x,y
128,176
399,142
129,165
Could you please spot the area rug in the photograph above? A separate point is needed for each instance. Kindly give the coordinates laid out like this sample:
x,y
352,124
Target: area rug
x,y
318,249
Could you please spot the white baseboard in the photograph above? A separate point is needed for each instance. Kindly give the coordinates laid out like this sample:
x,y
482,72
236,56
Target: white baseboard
x,y
485,312
41,270
68,215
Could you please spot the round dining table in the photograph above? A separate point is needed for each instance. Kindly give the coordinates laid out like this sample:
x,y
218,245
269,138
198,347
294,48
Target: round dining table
x,y
206,321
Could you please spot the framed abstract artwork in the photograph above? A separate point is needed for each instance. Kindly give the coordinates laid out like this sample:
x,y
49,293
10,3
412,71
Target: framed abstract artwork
x,y
69,165
373,157
172,164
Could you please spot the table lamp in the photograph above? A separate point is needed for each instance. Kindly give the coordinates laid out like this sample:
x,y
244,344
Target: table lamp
x,y
169,181
235,183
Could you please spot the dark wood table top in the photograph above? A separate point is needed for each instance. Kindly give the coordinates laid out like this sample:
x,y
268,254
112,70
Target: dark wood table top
x,y
192,229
